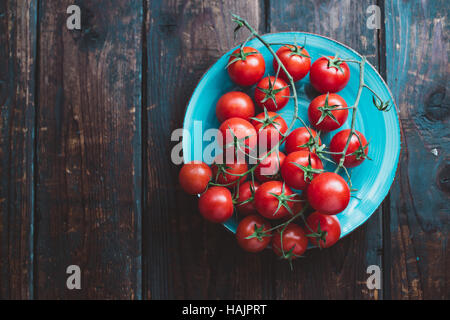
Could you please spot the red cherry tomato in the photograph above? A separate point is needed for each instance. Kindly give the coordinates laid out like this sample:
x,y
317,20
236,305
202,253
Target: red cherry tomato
x,y
294,241
235,104
226,173
329,74
247,67
329,232
328,112
355,154
328,193
267,204
245,193
240,128
296,60
268,169
270,127
299,168
216,204
300,139
272,94
253,233
194,177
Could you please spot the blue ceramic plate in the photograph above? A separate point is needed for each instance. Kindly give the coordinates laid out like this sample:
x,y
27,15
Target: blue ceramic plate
x,y
372,178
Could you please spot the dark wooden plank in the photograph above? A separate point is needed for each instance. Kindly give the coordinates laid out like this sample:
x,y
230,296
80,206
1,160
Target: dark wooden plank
x,y
187,257
338,272
417,51
17,119
88,204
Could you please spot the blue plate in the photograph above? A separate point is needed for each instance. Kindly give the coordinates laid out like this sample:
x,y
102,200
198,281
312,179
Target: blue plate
x,y
372,178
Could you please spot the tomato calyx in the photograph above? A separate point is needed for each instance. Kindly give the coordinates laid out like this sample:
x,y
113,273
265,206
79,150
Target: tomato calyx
x,y
288,255
308,171
320,235
237,144
240,55
267,121
259,233
270,92
335,62
297,50
222,169
381,105
360,153
284,199
326,111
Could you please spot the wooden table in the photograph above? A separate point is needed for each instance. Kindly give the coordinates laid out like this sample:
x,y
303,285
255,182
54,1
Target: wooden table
x,y
85,176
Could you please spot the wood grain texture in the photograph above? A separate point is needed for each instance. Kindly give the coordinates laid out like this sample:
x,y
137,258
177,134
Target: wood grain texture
x,y
88,201
17,118
187,257
417,51
338,272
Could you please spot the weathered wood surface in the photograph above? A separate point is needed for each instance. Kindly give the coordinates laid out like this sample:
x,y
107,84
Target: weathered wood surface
x,y
187,257
86,120
417,56
17,125
88,196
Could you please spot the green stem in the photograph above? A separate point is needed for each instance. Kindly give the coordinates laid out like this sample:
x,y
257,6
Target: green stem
x,y
352,130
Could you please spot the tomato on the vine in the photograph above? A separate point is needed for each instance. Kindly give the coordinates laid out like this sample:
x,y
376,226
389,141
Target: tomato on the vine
x,y
272,93
299,168
356,151
246,66
270,127
323,230
235,104
274,200
194,177
228,173
328,193
328,112
300,139
296,60
268,169
216,204
295,242
253,233
245,202
329,74
242,130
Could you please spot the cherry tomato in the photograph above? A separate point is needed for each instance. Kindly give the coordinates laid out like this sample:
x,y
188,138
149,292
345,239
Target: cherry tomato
x,y
225,173
355,154
299,168
328,112
268,169
271,206
216,204
328,193
240,128
327,234
294,239
245,193
246,67
272,94
194,177
300,139
235,104
296,60
329,74
270,127
253,233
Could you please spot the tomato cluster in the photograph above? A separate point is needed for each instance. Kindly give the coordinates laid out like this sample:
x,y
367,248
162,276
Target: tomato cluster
x,y
280,187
